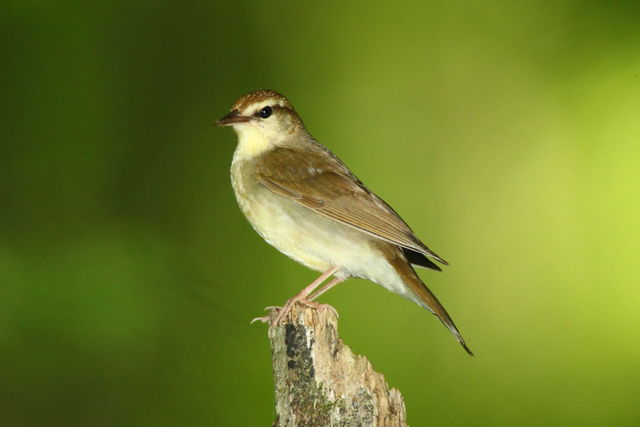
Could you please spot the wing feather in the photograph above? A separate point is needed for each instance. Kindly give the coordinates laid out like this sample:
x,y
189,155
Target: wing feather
x,y
320,181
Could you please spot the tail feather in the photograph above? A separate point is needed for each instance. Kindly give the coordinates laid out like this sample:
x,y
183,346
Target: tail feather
x,y
425,297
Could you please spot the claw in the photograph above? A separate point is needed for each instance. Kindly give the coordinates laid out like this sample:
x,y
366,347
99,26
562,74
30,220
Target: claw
x,y
278,314
263,319
278,318
266,319
330,307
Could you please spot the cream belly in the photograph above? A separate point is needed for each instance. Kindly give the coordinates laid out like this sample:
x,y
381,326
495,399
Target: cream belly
x,y
308,237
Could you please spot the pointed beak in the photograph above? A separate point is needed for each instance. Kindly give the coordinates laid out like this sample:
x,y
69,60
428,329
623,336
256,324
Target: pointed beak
x,y
232,118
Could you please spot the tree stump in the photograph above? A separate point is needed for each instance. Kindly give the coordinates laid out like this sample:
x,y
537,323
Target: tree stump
x,y
320,382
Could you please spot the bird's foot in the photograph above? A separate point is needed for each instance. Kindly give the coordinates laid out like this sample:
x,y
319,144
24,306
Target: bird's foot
x,y
319,306
266,319
277,315
263,319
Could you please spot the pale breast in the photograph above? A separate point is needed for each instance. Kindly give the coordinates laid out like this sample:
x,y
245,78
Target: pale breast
x,y
297,231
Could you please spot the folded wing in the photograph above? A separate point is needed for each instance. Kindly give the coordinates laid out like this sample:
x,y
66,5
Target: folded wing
x,y
322,183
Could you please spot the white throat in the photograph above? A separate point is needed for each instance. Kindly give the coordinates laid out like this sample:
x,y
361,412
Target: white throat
x,y
251,142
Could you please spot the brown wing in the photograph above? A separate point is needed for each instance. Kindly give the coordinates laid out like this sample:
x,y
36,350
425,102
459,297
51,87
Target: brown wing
x,y
319,181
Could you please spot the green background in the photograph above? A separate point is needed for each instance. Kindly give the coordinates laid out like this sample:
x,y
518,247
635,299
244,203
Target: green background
x,y
506,133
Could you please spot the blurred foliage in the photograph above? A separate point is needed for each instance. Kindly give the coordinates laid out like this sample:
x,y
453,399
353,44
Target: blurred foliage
x,y
506,133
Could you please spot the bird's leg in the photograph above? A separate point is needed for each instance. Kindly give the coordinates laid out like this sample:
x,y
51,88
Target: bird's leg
x,y
301,297
309,302
326,287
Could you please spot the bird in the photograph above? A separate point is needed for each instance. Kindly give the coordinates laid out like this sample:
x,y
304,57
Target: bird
x,y
303,200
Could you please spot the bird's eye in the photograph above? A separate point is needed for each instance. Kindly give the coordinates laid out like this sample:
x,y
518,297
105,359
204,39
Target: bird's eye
x,y
265,112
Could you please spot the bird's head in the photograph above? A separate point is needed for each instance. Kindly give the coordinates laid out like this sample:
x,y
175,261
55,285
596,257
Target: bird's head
x,y
262,118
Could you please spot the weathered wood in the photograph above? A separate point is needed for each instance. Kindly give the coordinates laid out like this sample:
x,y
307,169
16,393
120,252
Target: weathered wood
x,y
320,382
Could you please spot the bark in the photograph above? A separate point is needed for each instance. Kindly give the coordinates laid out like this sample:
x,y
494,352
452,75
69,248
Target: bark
x,y
320,382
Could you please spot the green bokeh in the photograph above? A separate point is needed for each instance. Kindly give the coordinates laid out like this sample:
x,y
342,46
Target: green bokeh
x,y
506,133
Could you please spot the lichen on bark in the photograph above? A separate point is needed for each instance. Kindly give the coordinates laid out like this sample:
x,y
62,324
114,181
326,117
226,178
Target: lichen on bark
x,y
320,382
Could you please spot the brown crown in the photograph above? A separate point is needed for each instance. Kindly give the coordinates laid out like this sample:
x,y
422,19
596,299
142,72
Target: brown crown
x,y
258,96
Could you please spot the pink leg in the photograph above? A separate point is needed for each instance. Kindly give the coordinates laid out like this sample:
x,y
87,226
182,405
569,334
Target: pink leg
x,y
299,297
326,287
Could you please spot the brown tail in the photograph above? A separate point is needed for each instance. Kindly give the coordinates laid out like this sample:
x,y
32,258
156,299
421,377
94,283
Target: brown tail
x,y
425,297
